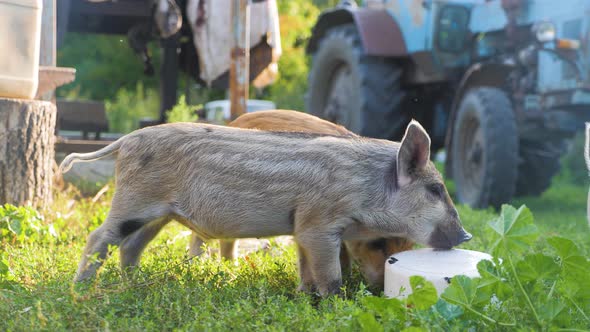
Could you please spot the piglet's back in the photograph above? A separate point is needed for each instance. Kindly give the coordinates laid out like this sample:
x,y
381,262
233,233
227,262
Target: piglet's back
x,y
240,158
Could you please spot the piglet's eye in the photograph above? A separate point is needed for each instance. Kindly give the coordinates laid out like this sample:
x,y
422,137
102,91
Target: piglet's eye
x,y
436,189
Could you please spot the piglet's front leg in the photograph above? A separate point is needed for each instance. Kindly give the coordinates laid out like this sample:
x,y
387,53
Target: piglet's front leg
x,y
306,282
321,250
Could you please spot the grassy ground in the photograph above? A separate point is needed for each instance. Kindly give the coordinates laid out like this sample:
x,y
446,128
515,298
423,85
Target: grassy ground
x,y
171,292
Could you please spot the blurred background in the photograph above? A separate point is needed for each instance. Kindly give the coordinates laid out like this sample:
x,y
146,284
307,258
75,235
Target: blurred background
x,y
130,95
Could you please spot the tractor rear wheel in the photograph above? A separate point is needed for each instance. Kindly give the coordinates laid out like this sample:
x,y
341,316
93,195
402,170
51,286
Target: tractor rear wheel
x,y
484,148
358,91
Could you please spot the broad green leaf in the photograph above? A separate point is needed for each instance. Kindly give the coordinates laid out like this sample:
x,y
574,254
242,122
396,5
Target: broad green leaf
x,y
467,294
537,267
492,281
464,291
461,291
384,306
565,247
515,230
14,225
423,293
575,295
569,288
576,278
575,267
549,309
369,323
447,310
488,271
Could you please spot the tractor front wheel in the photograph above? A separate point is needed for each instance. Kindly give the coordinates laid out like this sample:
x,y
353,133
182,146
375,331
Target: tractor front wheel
x,y
484,148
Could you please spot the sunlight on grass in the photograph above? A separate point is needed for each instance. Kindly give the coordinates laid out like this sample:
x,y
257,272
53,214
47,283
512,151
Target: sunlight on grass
x,y
170,291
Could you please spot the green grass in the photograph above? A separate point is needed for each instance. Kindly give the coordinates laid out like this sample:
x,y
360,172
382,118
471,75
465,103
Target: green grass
x,y
170,292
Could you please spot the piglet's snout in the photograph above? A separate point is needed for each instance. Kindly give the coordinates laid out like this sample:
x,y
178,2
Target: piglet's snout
x,y
464,236
443,238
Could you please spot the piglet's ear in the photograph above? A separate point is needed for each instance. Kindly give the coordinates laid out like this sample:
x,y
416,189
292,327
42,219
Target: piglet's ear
x,y
413,154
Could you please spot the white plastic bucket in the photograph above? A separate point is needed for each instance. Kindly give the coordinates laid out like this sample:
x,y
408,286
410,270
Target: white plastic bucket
x,y
20,37
436,266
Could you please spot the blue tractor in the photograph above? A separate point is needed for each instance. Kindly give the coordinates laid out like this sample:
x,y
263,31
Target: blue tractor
x,y
500,84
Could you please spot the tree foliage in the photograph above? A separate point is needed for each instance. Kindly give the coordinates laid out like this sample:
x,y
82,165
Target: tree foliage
x,y
104,65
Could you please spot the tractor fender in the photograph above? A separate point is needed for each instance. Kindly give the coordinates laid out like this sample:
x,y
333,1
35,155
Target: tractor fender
x,y
380,34
479,74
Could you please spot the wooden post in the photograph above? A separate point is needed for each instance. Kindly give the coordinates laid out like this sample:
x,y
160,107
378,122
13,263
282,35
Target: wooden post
x,y
26,151
239,76
168,75
47,55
